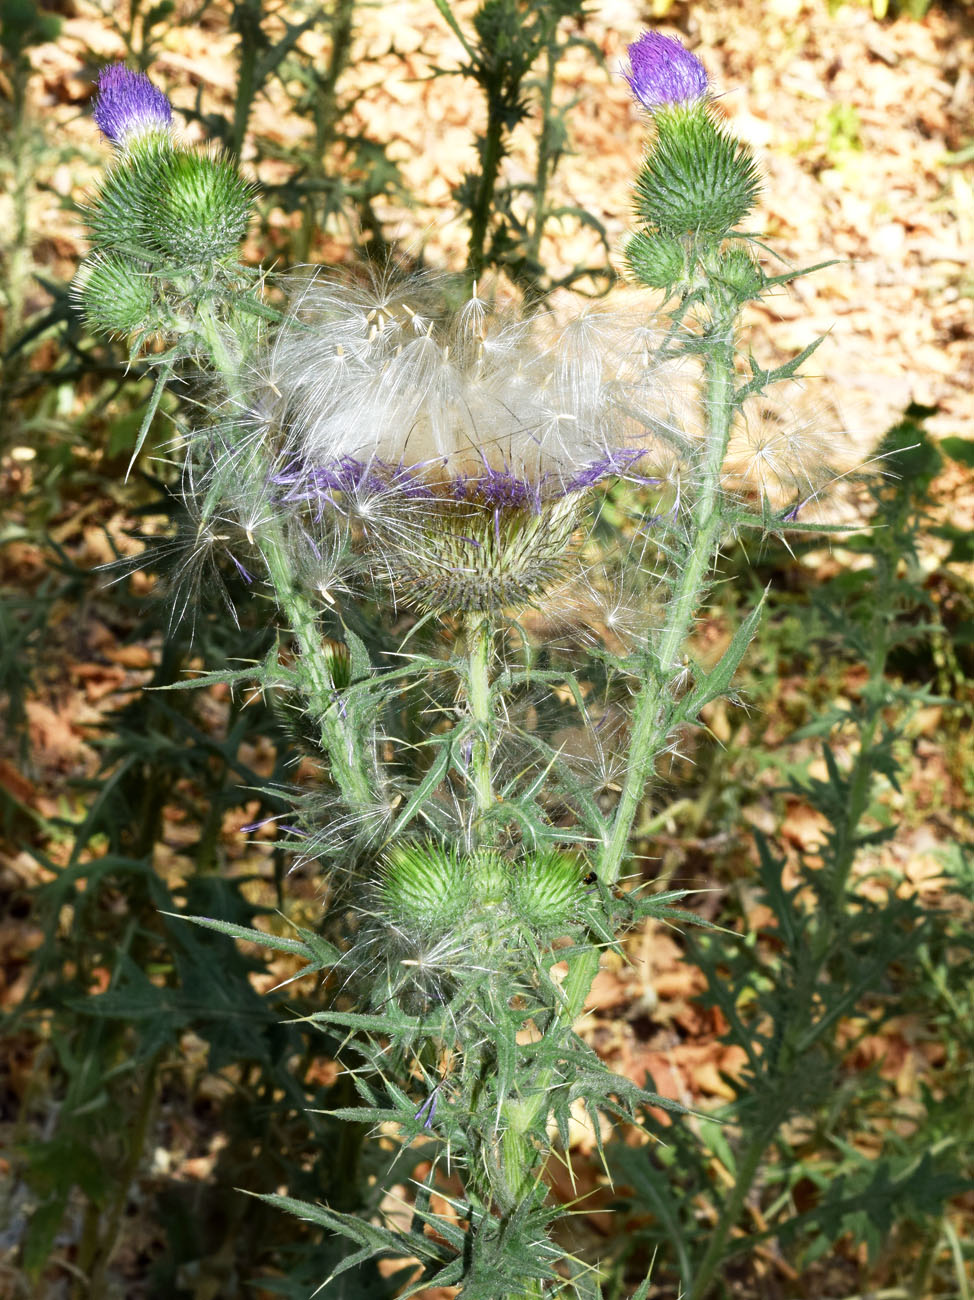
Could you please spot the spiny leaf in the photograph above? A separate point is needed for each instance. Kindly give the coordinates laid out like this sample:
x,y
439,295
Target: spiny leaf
x,y
318,951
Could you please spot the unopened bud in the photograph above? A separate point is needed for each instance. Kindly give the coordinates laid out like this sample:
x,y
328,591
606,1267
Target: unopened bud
x,y
116,295
199,207
423,887
546,890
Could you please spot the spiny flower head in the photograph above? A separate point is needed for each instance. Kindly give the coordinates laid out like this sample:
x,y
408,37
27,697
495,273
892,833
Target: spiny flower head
x,y
128,106
663,72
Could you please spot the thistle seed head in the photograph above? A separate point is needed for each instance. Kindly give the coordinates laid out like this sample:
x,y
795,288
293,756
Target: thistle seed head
x,y
461,440
781,451
463,558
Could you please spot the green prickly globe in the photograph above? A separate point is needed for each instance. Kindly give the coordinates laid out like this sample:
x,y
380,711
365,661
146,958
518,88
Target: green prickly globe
x,y
546,890
120,214
697,179
738,270
116,295
200,208
657,260
423,886
491,876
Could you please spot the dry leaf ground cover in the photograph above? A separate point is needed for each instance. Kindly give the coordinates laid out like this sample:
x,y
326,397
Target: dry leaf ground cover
x,y
863,130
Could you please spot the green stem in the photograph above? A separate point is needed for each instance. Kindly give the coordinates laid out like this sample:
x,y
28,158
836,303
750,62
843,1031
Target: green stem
x,y
479,637
339,739
653,710
246,19
490,161
327,113
543,169
98,1284
746,1172
651,725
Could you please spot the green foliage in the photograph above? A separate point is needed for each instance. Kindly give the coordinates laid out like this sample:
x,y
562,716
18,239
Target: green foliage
x,y
839,953
508,221
115,1056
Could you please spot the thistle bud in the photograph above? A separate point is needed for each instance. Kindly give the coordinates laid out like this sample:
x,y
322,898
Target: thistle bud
x,y
696,180
339,663
117,296
423,887
199,207
546,891
119,216
737,269
657,260
491,877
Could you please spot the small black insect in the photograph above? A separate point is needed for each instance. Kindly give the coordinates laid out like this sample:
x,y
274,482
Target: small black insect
x,y
590,879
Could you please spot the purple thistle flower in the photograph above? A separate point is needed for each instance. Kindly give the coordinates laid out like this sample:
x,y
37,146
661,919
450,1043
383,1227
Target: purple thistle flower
x,y
502,489
427,1112
129,105
664,72
615,463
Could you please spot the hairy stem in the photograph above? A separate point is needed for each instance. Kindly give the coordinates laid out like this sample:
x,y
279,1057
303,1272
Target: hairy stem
x,y
546,156
652,713
491,153
651,725
339,739
479,637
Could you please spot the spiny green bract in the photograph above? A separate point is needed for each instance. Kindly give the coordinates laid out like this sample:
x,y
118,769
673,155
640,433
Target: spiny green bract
x,y
491,877
424,886
472,557
736,268
186,208
696,179
117,296
546,890
657,260
199,207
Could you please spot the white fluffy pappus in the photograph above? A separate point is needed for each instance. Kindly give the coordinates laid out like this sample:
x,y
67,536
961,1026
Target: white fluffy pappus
x,y
398,370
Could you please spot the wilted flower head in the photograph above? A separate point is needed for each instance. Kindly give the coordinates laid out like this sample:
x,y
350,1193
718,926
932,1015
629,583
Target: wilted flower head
x,y
129,106
663,72
466,437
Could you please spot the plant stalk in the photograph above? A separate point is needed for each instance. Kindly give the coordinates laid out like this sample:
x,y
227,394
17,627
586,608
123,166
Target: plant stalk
x,y
653,709
746,1172
490,161
339,739
479,637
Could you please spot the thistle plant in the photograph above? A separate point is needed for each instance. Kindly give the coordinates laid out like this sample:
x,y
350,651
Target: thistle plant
x,y
488,534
